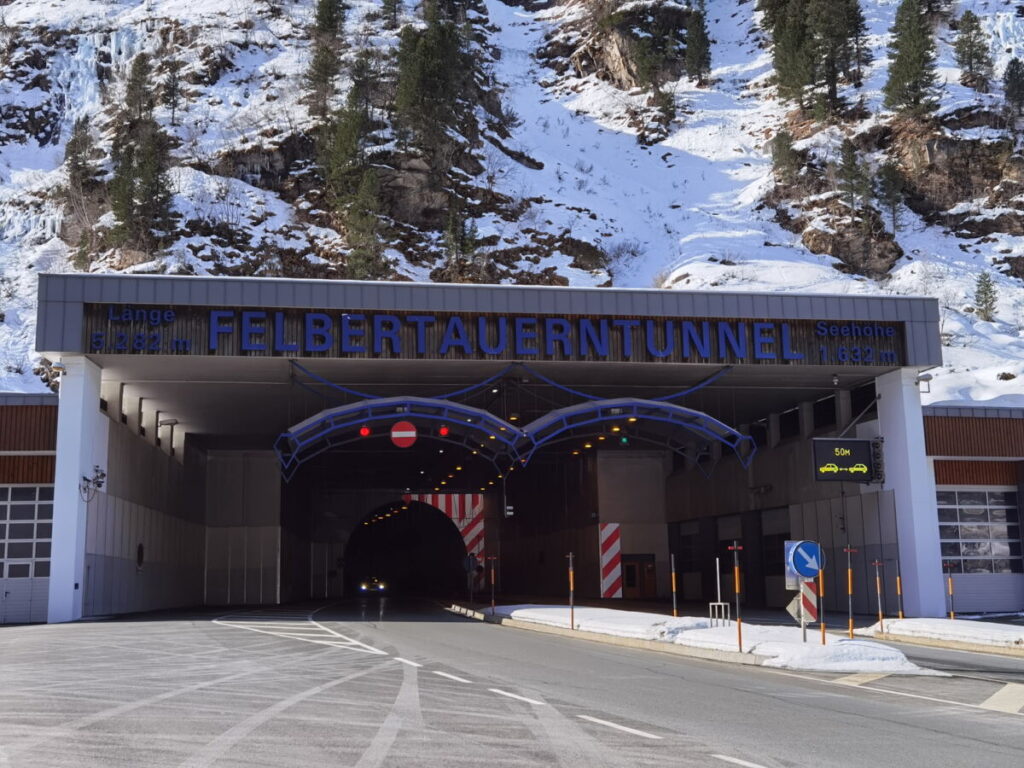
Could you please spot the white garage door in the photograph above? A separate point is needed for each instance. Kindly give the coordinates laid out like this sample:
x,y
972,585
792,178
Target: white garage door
x,y
26,527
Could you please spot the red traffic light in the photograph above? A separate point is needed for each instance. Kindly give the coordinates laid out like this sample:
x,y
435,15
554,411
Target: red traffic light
x,y
443,431
364,431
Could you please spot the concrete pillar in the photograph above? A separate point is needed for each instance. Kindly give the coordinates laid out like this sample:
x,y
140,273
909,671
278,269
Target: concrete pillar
x,y
844,409
81,445
774,430
908,474
806,419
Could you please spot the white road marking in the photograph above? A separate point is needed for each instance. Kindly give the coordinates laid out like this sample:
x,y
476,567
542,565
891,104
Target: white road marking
x,y
456,678
406,661
516,696
1009,698
860,678
737,761
290,625
618,727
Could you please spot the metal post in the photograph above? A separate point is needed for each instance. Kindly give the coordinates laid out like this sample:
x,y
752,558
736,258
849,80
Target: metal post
x,y
492,558
849,589
718,577
878,595
735,549
949,588
572,600
821,602
899,589
675,610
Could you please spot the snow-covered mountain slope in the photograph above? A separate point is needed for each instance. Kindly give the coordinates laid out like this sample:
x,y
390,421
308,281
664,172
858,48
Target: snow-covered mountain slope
x,y
594,184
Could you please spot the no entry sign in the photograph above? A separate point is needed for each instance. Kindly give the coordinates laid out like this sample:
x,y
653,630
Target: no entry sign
x,y
403,434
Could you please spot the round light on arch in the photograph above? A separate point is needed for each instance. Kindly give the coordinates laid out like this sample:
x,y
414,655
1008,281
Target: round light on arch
x,y
364,431
443,431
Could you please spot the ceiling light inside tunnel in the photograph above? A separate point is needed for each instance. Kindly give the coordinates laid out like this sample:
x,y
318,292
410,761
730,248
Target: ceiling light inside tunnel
x,y
513,417
575,453
444,482
458,469
616,429
600,437
588,445
631,419
494,390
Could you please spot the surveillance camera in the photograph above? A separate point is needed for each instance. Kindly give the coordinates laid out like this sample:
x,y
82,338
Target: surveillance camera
x,y
924,377
167,422
59,367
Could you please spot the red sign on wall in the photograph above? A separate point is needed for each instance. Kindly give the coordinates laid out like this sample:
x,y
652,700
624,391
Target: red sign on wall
x,y
403,434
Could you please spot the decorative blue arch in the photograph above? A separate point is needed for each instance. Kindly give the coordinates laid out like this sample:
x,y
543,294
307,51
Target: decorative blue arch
x,y
504,444
472,428
640,415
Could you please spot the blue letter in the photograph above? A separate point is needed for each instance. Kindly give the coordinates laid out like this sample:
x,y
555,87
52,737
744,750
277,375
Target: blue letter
x,y
820,328
248,330
589,337
455,336
559,334
524,334
729,338
390,333
702,343
280,345
761,337
350,333
502,324
627,327
670,339
318,332
217,327
421,322
787,350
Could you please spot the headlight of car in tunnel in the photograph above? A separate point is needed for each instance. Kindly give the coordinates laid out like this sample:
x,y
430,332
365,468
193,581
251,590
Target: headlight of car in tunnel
x,y
381,586
362,587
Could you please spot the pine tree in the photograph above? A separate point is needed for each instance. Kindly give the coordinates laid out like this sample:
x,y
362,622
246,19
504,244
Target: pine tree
x,y
890,191
364,231
432,70
172,88
329,17
140,190
793,53
774,11
391,10
138,94
81,172
344,159
985,297
858,54
972,50
829,41
698,48
784,158
853,180
1013,84
323,69
912,62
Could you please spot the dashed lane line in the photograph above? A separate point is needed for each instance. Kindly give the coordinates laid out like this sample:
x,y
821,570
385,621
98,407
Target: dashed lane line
x,y
1009,698
456,678
860,678
737,761
616,726
517,696
407,661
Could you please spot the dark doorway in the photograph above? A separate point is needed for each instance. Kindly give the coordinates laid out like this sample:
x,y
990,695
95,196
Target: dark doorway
x,y
412,547
639,579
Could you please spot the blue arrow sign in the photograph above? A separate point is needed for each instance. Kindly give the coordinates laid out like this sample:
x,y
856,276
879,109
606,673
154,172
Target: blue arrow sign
x,y
806,558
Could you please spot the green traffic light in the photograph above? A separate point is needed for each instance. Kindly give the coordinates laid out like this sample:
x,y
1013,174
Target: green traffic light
x,y
624,440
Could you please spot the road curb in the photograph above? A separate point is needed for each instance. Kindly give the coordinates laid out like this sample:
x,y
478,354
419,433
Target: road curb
x,y
707,654
953,645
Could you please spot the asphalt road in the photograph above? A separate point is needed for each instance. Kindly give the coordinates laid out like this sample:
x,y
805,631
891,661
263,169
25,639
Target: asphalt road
x,y
350,685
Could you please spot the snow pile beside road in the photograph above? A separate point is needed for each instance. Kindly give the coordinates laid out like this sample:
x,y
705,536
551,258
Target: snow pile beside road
x,y
956,630
782,646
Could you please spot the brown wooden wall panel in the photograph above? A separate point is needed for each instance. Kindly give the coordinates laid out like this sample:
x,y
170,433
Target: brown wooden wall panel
x,y
976,472
956,436
28,427
27,469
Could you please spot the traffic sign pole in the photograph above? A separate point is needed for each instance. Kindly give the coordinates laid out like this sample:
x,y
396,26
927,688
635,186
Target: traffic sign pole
x,y
736,549
899,588
949,588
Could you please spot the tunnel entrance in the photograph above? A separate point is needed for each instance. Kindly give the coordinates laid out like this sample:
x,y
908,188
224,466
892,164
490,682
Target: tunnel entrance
x,y
412,547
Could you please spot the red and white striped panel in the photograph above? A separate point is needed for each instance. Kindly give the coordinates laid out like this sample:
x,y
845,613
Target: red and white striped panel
x,y
466,510
611,560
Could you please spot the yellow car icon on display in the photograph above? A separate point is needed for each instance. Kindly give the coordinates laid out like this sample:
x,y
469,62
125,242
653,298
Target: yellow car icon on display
x,y
862,468
828,468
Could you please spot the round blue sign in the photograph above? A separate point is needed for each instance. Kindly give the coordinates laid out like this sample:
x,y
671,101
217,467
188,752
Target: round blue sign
x,y
806,558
